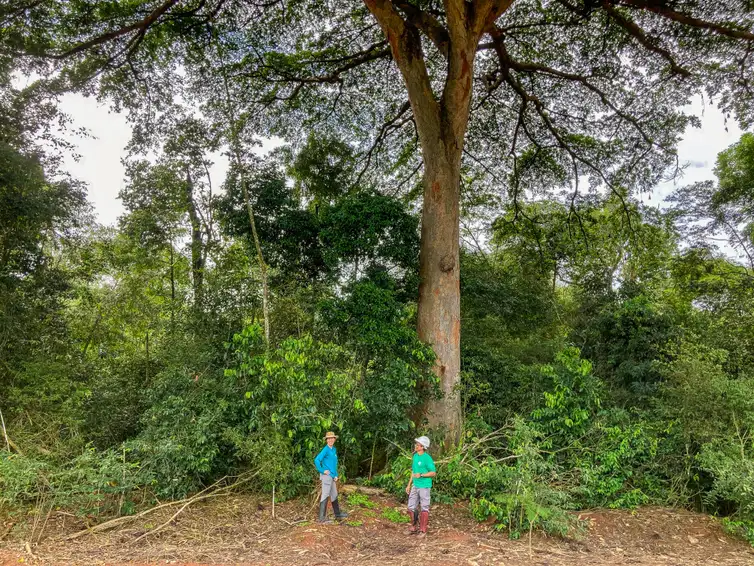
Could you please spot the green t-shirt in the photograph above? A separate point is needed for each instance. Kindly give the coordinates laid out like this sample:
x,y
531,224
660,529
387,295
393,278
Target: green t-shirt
x,y
421,465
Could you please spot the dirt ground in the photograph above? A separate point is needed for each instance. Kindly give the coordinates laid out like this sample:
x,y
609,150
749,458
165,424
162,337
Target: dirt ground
x,y
240,530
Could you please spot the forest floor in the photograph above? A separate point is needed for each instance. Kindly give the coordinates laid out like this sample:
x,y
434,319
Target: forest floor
x,y
239,529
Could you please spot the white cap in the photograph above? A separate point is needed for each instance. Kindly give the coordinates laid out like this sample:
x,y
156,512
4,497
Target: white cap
x,y
424,441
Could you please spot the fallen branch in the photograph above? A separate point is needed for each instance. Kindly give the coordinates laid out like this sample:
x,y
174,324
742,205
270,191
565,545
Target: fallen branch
x,y
292,523
351,488
111,524
187,503
28,549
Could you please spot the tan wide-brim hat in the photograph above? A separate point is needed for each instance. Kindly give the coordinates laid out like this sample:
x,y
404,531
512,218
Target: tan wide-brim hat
x,y
330,434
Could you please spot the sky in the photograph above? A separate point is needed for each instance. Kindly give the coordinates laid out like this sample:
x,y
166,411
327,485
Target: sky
x,y
101,168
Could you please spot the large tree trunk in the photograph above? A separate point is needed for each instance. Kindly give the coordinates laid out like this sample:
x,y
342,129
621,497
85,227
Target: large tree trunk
x,y
441,125
439,316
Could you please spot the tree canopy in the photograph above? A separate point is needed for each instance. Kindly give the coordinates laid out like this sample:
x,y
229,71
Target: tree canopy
x,y
521,95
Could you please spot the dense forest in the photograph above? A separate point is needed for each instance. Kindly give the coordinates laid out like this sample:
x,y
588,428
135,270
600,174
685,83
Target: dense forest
x,y
455,238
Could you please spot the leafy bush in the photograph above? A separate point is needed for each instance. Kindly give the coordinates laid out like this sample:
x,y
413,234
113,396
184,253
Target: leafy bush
x,y
568,453
395,516
573,400
740,529
525,498
360,500
269,410
92,482
19,478
615,473
732,473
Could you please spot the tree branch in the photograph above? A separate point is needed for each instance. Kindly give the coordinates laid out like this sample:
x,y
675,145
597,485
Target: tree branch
x,y
405,44
506,60
427,23
649,43
142,26
539,107
387,127
661,9
352,61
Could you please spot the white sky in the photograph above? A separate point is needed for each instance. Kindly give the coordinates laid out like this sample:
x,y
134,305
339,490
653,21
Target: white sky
x,y
700,147
101,168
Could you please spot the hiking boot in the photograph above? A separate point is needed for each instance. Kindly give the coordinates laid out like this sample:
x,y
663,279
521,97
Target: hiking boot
x,y
423,522
414,517
336,509
323,513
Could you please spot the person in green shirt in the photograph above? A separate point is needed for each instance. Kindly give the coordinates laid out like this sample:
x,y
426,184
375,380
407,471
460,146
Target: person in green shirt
x,y
420,486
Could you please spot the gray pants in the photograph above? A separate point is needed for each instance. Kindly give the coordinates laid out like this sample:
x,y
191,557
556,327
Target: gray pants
x,y
329,488
419,496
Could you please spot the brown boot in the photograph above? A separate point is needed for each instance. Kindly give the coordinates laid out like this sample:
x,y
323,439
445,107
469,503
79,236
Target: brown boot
x,y
423,522
414,520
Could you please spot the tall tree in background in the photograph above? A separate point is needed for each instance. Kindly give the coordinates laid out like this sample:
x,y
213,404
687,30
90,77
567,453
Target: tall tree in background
x,y
510,88
707,210
42,212
179,187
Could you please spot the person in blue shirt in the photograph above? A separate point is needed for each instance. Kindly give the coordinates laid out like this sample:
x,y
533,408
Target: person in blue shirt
x,y
326,463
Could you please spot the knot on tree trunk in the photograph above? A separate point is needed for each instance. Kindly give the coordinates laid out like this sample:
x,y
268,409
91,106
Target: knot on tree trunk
x,y
447,263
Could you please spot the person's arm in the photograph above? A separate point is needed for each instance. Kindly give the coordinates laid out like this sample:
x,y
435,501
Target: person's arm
x,y
318,462
432,472
411,477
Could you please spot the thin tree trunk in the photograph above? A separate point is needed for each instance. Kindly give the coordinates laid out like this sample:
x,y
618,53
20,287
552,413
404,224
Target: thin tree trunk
x,y
236,148
89,339
554,276
5,432
172,286
146,351
260,259
197,256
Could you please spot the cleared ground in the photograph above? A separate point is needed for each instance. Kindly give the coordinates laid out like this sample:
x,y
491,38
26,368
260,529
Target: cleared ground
x,y
240,530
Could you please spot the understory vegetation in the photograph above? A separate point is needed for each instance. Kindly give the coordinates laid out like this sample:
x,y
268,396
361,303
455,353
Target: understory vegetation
x,y
605,366
452,217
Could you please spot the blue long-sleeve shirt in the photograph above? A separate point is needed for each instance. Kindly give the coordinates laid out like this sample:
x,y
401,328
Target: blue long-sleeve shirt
x,y
327,459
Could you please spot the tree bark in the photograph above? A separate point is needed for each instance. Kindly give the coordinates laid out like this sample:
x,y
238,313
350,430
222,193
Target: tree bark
x,y
439,312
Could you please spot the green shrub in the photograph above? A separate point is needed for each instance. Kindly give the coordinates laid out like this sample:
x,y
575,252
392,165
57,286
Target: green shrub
x,y
613,468
395,516
19,478
360,500
732,473
525,497
93,482
268,411
741,529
